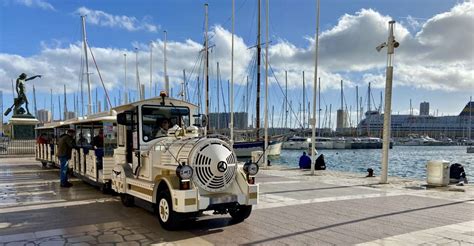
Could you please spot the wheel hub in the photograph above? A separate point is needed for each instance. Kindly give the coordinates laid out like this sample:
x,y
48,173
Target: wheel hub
x,y
164,210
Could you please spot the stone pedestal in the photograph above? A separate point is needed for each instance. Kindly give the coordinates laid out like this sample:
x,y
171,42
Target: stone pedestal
x,y
22,126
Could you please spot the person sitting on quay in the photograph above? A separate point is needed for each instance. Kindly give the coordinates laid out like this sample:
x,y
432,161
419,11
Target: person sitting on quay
x,y
305,161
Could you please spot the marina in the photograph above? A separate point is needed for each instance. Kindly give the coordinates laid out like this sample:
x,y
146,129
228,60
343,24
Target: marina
x,y
405,161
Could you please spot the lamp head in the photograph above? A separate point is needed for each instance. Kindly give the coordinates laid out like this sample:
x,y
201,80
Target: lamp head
x,y
380,47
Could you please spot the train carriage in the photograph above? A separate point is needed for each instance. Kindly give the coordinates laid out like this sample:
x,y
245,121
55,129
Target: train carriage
x,y
46,146
93,160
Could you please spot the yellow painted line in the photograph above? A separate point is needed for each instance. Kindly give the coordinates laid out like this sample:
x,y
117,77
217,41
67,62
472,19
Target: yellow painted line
x,y
141,190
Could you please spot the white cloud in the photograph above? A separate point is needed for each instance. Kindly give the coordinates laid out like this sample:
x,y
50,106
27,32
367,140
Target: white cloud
x,y
61,65
129,23
439,57
36,4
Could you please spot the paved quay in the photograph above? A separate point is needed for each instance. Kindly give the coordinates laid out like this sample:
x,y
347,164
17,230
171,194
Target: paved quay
x,y
295,208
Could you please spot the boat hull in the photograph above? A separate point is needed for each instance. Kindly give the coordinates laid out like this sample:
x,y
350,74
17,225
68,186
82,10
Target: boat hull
x,y
245,149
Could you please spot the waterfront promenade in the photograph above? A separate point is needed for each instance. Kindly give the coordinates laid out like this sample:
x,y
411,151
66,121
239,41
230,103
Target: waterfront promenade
x,y
330,208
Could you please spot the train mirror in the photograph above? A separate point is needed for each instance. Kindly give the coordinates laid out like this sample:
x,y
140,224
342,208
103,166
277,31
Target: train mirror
x,y
124,118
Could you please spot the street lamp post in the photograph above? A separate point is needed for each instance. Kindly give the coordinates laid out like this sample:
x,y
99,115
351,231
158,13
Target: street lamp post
x,y
391,44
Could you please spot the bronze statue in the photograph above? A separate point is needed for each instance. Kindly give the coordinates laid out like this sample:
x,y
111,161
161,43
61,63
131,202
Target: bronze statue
x,y
21,99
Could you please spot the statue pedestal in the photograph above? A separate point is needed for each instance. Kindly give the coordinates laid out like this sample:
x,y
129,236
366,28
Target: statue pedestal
x,y
22,126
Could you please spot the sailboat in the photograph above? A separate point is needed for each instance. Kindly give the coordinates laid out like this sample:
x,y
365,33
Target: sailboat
x,y
245,149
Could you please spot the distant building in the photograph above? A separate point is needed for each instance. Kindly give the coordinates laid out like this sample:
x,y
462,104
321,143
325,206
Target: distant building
x,y
69,115
341,120
455,126
425,108
222,120
44,115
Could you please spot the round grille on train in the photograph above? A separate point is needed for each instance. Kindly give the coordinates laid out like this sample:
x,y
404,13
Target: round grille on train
x,y
214,165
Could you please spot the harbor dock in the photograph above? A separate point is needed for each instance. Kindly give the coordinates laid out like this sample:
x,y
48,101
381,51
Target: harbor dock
x,y
294,208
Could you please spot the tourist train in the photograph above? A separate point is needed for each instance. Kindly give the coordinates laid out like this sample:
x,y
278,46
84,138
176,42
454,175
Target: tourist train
x,y
181,172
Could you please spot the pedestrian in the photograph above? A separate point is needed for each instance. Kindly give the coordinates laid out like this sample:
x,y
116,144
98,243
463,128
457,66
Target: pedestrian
x,y
65,145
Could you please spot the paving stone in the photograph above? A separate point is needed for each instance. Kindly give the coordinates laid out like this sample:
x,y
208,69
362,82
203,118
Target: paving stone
x,y
110,239
124,232
134,237
80,239
128,244
79,244
20,243
94,233
53,243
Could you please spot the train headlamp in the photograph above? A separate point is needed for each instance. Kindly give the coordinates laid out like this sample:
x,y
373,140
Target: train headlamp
x,y
251,168
184,171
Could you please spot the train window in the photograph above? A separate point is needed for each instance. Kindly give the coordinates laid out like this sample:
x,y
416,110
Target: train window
x,y
157,120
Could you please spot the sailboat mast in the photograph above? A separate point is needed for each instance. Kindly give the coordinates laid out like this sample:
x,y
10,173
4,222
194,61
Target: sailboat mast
x,y
368,110
266,86
313,121
207,68
286,99
151,69
52,106
342,96
470,117
34,101
304,102
183,95
218,98
65,104
167,83
84,38
232,81
125,90
319,109
139,90
257,123
357,107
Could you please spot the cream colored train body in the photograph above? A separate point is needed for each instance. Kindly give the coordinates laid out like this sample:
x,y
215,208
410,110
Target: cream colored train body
x,y
181,172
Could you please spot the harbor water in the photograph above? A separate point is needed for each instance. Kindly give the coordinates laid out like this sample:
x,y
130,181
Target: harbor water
x,y
404,161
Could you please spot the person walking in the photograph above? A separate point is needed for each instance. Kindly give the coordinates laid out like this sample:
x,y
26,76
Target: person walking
x,y
65,145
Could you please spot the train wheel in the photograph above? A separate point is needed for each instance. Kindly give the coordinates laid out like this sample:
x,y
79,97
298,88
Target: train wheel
x,y
241,213
168,218
127,200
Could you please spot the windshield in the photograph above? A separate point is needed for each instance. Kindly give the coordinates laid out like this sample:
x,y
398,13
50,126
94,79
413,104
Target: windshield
x,y
157,120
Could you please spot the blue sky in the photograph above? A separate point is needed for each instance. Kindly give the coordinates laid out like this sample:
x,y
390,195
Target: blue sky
x,y
432,64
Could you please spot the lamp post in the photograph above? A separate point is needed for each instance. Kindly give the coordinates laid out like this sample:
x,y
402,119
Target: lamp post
x,y
391,44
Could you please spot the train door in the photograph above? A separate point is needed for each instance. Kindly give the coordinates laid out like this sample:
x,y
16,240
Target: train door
x,y
129,120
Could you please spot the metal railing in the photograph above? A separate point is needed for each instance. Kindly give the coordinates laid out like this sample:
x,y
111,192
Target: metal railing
x,y
17,147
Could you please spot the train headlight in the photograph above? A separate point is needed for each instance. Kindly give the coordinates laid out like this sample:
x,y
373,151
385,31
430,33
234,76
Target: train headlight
x,y
251,168
184,172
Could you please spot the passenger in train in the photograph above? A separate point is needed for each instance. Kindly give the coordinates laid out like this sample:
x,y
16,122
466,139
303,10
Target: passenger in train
x,y
65,145
42,139
82,140
98,145
98,140
162,130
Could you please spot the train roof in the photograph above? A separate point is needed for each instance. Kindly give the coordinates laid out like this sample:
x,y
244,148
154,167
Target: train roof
x,y
157,101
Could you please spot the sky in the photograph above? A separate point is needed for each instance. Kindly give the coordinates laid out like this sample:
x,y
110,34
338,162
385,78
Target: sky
x,y
434,62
